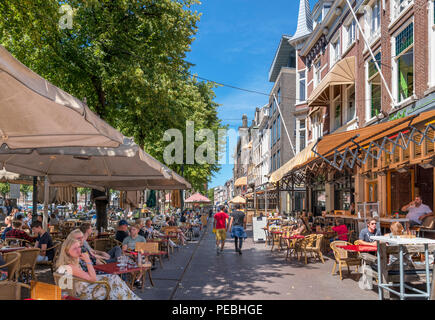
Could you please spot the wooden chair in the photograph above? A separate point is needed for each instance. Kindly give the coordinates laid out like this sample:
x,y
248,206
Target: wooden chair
x,y
304,244
28,263
17,242
11,290
56,247
150,249
12,260
342,258
316,248
74,281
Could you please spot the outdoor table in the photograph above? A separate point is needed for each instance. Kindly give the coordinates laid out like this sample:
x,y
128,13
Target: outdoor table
x,y
10,249
113,268
359,248
289,247
297,236
400,242
276,236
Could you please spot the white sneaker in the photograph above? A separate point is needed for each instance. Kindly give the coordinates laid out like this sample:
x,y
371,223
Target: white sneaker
x,y
217,250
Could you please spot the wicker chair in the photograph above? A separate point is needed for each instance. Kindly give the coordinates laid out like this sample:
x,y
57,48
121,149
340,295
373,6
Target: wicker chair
x,y
28,263
305,243
150,249
316,249
56,248
342,258
75,281
10,290
18,242
12,260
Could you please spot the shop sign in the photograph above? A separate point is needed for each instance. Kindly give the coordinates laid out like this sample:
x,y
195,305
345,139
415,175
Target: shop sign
x,y
425,104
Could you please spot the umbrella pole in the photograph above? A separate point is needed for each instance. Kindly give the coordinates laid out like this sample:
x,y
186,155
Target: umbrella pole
x,y
46,195
34,199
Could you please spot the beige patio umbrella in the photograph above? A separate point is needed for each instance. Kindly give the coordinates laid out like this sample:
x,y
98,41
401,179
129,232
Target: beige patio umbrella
x,y
238,200
35,113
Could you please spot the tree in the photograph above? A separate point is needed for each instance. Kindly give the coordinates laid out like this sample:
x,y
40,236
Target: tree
x,y
25,189
210,194
4,189
126,57
84,191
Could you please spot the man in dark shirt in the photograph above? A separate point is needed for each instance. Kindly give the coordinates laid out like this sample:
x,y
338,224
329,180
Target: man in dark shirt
x,y
122,231
17,233
43,242
237,227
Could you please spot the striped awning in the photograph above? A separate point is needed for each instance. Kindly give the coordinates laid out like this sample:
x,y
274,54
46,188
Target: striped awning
x,y
243,181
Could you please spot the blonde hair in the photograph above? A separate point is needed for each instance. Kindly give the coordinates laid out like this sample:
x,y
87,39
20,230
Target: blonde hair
x,y
73,233
396,228
64,257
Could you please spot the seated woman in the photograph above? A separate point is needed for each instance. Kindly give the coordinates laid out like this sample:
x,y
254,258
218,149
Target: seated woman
x,y
73,262
300,229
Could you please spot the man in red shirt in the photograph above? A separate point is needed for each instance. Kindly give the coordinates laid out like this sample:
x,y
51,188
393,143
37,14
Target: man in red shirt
x,y
17,233
220,225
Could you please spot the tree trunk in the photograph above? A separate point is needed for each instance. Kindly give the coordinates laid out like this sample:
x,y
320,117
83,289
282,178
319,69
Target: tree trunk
x,y
101,209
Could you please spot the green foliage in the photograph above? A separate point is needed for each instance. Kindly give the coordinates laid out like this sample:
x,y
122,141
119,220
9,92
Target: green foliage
x,y
83,191
26,188
126,57
210,194
5,188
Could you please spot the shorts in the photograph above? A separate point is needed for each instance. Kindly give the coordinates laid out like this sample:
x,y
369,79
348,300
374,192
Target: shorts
x,y
221,234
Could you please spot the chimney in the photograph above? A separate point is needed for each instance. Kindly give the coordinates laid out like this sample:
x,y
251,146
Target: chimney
x,y
245,121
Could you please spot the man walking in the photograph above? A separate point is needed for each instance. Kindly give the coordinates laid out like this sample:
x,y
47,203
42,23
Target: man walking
x,y
237,227
220,224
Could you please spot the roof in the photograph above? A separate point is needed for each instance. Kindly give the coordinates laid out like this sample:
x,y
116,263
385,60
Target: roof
x,y
197,198
282,57
305,21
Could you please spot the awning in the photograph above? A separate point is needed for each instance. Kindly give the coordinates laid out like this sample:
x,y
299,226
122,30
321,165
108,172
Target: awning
x,y
343,72
364,136
243,181
301,157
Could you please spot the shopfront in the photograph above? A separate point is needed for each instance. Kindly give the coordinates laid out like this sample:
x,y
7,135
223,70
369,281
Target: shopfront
x,y
344,188
318,195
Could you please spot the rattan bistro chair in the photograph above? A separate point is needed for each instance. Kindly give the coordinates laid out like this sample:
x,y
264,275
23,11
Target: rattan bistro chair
x,y
342,258
316,247
11,290
28,263
61,281
17,242
12,260
51,263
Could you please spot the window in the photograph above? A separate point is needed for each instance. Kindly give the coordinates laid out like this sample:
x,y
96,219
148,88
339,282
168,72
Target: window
x,y
376,16
278,159
335,51
278,127
373,88
317,73
301,134
399,6
372,20
404,63
302,88
350,34
351,103
279,96
336,103
326,8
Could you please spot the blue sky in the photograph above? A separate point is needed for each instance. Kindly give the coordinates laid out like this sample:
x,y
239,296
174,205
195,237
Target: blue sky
x,y
235,44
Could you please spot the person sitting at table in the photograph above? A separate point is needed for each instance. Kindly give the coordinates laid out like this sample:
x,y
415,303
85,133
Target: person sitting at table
x,y
122,231
417,211
53,220
172,222
27,221
100,256
129,242
369,231
301,228
8,222
72,261
341,229
17,232
43,241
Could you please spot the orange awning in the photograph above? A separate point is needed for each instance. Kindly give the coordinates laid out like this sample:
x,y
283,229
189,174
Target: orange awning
x,y
243,181
343,72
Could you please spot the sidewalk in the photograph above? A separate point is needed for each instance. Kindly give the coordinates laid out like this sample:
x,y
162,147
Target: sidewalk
x,y
195,272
